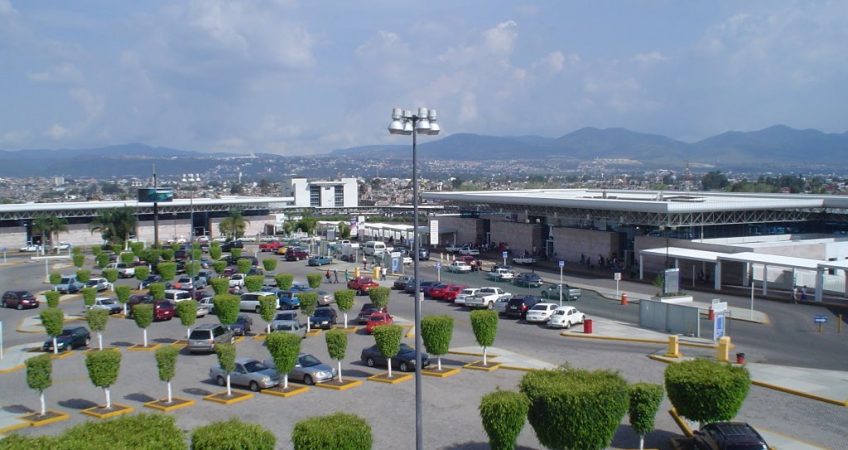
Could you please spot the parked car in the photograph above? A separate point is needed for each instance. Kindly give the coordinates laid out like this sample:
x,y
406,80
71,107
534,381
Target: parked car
x,y
236,280
403,361
377,319
427,286
729,436
108,304
289,326
31,248
401,281
284,316
71,337
124,270
518,306
249,372
565,317
69,284
145,283
441,291
271,246
19,300
540,312
229,245
458,267
162,309
177,295
423,254
467,250
287,299
308,370
453,248
362,285
319,260
501,274
250,301
528,279
242,326
296,254
464,295
365,313
203,338
486,297
324,318
100,284
183,282
568,293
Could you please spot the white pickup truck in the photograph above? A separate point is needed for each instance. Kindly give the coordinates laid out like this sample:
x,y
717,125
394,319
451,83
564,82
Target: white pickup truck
x,y
124,270
501,274
488,297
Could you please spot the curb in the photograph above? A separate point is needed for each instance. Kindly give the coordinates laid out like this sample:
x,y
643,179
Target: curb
x,y
478,365
291,392
800,394
634,340
121,410
488,355
235,398
10,370
178,403
350,384
383,378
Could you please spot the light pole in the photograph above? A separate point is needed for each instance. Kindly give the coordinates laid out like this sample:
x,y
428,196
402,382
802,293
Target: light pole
x,y
406,123
561,266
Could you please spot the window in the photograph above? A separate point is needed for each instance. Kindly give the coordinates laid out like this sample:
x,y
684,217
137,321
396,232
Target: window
x,y
339,196
314,195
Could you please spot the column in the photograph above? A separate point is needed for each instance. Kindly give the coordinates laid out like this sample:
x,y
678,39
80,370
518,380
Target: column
x,y
746,274
676,263
717,274
819,284
642,267
765,279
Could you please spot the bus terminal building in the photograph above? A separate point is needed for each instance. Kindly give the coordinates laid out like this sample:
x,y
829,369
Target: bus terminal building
x,y
777,240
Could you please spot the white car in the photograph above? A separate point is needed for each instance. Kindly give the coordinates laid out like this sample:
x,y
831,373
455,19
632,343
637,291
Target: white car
x,y
31,248
407,260
501,274
465,294
453,248
237,280
458,267
469,251
565,317
540,312
62,246
98,283
109,304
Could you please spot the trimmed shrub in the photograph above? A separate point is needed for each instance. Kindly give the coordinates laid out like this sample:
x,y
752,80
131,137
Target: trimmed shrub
x,y
97,319
344,301
142,272
219,266
78,259
308,302
117,248
503,414
236,253
101,260
227,308
283,348
111,275
137,248
269,264
336,347
166,363
157,290
39,372
83,275
187,312
196,253
706,391
123,293
220,285
152,256
76,250
337,431
215,250
232,434
167,254
89,294
244,265
96,250
192,268
268,309
55,278
388,339
314,280
645,399
167,270
53,320
52,298
103,367
380,296
485,326
226,354
436,332
127,257
284,280
254,283
573,408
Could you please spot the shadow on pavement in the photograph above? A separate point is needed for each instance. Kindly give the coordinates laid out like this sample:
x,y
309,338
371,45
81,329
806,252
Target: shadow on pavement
x,y
625,437
197,391
17,409
122,344
77,403
478,446
141,398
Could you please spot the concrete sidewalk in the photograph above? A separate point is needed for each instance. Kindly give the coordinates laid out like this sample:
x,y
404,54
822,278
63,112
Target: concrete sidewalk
x,y
32,324
509,360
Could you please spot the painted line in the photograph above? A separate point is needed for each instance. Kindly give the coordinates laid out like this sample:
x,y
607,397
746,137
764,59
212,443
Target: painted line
x,y
800,393
13,368
480,354
684,427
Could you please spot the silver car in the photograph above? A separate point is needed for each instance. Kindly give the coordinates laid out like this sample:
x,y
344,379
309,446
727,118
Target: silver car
x,y
308,370
249,372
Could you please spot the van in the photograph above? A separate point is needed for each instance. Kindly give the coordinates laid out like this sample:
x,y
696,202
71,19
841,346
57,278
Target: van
x,y
177,295
69,285
374,248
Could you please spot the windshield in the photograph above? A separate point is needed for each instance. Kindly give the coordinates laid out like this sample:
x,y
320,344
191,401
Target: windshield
x,y
405,349
309,361
559,312
107,302
254,366
67,332
468,291
199,334
285,327
540,307
66,281
285,316
323,312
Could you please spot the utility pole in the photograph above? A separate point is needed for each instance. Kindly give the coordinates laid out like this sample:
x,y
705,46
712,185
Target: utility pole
x,y
155,212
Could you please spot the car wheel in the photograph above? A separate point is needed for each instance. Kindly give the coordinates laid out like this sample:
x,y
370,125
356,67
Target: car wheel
x,y
404,367
568,325
307,380
490,305
369,362
254,386
258,310
19,307
221,381
87,341
4,303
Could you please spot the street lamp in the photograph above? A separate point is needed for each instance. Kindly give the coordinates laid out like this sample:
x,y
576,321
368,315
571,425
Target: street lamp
x,y
406,123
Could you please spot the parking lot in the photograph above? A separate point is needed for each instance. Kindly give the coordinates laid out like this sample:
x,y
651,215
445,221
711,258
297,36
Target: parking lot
x,y
451,419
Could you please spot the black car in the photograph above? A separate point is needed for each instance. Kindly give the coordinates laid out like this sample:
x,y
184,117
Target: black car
x,y
423,254
403,361
518,306
242,326
729,436
229,245
70,338
152,278
365,313
424,285
528,279
19,300
323,318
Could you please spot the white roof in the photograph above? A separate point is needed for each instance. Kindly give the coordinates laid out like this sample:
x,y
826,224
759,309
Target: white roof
x,y
64,206
773,260
684,253
746,257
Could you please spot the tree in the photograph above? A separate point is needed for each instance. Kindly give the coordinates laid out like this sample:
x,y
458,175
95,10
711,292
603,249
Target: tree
x,y
344,230
39,372
713,181
254,283
267,309
157,290
227,361
127,257
89,295
436,331
143,316
284,348
338,431
269,264
114,225
111,275
308,303
232,434
48,226
314,280
97,319
78,260
344,301
503,414
219,267
187,311
101,260
215,251
645,399
388,341
234,224
380,296
53,320
243,265
55,278
227,308
166,362
337,347
485,326
52,298
220,285
137,248
103,367
123,294
192,268
168,270
83,275
142,272
706,391
284,281
575,408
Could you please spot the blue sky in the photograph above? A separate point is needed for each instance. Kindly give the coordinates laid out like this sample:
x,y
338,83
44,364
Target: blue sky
x,y
290,77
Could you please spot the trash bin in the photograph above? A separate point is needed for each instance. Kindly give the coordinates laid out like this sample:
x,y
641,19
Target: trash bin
x,y
740,358
587,326
624,298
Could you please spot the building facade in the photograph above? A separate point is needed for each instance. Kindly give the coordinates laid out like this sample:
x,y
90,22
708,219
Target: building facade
x,y
341,193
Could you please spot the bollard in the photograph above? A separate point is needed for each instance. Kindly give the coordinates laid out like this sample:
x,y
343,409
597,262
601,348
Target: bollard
x,y
723,349
673,347
356,272
624,298
587,326
711,314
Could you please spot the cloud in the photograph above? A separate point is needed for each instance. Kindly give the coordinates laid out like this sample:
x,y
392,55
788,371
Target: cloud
x,y
6,8
500,40
57,132
650,57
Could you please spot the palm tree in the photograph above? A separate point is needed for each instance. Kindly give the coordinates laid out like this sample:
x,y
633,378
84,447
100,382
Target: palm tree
x,y
234,224
115,225
48,226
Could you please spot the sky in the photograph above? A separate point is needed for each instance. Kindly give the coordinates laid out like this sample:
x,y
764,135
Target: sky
x,y
306,77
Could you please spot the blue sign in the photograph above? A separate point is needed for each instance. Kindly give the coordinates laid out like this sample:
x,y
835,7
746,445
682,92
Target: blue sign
x,y
505,254
561,264
820,319
438,266
718,330
395,265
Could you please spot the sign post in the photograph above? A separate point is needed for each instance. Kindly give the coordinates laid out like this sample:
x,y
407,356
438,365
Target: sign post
x,y
505,254
820,320
719,324
617,277
1,340
439,271
561,267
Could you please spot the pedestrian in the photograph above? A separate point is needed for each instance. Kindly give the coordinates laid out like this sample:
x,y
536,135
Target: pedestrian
x,y
364,263
384,270
796,294
347,276
327,276
335,276
804,294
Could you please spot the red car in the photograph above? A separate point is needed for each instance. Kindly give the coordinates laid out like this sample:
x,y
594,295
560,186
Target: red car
x,y
362,285
272,246
441,290
451,292
162,309
377,319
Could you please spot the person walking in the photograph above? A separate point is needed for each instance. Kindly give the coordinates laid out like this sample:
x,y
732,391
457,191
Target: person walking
x,y
364,263
804,294
347,276
335,276
796,294
384,271
327,276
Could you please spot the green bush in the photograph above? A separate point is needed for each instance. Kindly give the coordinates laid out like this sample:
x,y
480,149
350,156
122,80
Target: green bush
x,y
167,254
244,265
142,272
137,248
215,251
78,260
706,391
380,296
187,312
152,256
167,270
227,308
572,408
166,362
268,308
388,339
337,431
127,258
53,320
284,348
117,248
83,275
111,275
308,302
220,285
236,253
157,290
232,435
314,280
196,253
102,260
284,281
254,283
226,360
219,266
97,319
645,399
503,414
52,298
436,332
96,250
39,370
336,344
55,278
123,293
76,250
344,301
143,314
269,264
485,326
103,367
89,294
192,268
